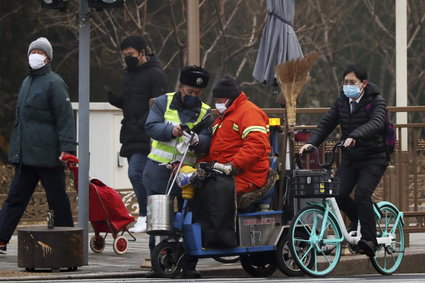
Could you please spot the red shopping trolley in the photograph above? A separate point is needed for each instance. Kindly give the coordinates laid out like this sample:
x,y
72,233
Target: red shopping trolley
x,y
107,212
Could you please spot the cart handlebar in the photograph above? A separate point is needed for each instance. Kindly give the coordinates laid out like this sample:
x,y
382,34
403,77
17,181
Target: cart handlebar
x,y
69,158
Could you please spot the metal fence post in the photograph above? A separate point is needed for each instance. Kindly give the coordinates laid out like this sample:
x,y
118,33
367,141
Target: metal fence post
x,y
403,184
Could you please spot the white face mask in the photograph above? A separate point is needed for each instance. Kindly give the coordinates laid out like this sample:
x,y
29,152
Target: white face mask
x,y
221,107
36,61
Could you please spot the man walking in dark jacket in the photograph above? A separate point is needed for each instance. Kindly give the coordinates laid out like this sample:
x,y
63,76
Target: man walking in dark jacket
x,y
44,131
143,79
360,111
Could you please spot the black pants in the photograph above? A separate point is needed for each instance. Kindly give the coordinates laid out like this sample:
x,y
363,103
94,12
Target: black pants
x,y
364,177
21,190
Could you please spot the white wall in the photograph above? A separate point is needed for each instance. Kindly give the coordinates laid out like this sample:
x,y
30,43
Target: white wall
x,y
105,163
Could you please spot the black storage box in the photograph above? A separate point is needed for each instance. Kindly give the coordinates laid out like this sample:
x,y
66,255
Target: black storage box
x,y
314,183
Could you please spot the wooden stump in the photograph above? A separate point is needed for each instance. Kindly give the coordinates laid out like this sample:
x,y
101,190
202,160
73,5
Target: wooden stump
x,y
40,247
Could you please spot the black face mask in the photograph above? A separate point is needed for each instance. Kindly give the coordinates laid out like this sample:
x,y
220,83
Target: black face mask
x,y
131,62
191,101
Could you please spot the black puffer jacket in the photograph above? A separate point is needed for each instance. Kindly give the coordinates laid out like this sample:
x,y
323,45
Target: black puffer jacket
x,y
365,125
145,82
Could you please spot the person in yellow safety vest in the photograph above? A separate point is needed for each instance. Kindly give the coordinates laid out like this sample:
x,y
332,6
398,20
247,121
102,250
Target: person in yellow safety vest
x,y
172,120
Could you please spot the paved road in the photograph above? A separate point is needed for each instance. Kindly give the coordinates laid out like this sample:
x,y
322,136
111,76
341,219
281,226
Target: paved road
x,y
416,277
109,265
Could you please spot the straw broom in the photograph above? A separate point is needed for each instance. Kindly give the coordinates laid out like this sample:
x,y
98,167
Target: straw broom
x,y
292,77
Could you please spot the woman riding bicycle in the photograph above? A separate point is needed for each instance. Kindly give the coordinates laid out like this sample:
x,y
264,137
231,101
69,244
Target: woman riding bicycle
x,y
360,111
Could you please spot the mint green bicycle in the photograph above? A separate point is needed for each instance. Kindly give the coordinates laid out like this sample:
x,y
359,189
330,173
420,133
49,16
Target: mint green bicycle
x,y
323,224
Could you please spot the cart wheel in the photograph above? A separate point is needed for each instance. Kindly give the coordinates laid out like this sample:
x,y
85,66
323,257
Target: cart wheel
x,y
227,259
120,245
29,269
258,265
167,259
74,268
284,260
97,243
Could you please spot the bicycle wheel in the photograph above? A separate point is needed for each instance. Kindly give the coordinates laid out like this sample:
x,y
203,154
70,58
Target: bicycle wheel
x,y
388,257
321,239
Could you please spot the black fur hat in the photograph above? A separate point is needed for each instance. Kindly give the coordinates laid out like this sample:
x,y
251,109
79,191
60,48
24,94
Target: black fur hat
x,y
194,76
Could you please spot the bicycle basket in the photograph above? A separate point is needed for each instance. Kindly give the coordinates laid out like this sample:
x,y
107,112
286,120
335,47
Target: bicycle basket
x,y
314,183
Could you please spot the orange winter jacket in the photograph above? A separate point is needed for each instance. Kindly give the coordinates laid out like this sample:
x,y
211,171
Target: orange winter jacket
x,y
241,136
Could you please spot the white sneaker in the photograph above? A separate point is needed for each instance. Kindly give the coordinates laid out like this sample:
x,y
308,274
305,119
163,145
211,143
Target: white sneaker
x,y
140,226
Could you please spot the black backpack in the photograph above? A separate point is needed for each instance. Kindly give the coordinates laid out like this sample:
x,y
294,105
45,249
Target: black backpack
x,y
388,134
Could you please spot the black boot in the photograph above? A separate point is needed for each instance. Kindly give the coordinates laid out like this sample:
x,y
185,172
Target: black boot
x,y
191,274
189,266
152,274
366,247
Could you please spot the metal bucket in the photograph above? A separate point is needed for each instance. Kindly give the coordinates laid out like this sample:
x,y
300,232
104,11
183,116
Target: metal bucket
x,y
160,214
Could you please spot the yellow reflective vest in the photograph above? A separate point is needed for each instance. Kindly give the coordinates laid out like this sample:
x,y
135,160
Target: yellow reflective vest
x,y
164,152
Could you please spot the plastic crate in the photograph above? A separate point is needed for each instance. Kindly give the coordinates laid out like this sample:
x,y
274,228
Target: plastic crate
x,y
314,184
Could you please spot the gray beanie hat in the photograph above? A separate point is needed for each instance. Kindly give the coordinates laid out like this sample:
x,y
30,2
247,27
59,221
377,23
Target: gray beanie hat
x,y
44,45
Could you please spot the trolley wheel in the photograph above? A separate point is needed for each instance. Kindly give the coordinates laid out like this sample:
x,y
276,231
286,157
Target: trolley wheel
x,y
284,260
258,264
120,245
167,259
29,269
74,268
97,243
388,257
227,259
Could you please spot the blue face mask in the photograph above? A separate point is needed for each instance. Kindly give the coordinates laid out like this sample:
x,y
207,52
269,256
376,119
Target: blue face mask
x,y
351,91
191,101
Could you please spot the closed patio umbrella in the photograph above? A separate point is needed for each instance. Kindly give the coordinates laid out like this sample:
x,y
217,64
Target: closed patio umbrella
x,y
279,42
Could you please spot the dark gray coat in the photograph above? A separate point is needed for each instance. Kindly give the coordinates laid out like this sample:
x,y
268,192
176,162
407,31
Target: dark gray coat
x,y
365,125
44,124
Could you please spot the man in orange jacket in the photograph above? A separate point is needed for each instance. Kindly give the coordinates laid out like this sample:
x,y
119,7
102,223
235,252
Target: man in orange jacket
x,y
240,136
